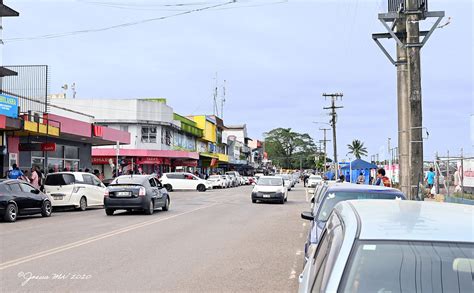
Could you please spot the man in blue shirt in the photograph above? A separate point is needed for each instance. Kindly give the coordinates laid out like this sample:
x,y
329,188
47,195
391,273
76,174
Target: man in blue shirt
x,y
15,173
430,177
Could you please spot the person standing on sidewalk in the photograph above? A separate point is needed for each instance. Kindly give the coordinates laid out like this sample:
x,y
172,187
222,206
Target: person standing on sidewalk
x,y
15,173
382,180
361,178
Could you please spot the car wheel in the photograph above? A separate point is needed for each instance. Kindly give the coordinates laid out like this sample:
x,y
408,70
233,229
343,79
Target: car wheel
x,y
201,188
254,201
168,187
286,198
151,208
167,205
11,212
46,209
109,212
83,204
282,201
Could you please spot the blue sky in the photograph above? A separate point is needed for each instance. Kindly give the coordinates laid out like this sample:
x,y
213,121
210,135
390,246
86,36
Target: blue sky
x,y
277,59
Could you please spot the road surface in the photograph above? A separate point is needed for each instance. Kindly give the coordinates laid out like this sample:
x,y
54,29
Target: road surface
x,y
217,241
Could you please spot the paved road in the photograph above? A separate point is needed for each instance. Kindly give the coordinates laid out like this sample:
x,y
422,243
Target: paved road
x,y
217,241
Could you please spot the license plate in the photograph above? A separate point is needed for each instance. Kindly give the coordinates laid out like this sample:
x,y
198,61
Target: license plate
x,y
266,196
123,193
58,197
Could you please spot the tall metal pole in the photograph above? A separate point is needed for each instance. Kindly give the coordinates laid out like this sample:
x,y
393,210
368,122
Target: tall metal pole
x,y
414,87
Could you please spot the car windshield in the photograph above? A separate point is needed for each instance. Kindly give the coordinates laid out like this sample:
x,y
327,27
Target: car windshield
x,y
332,198
402,266
59,179
128,180
270,181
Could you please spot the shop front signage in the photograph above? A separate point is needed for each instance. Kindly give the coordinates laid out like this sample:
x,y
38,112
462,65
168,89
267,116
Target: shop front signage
x,y
185,163
102,160
37,147
9,106
149,161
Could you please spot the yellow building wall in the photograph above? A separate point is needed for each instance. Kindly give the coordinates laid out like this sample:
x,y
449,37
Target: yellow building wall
x,y
209,128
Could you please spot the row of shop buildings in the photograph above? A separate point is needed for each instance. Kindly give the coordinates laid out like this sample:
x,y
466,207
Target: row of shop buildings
x,y
112,136
162,140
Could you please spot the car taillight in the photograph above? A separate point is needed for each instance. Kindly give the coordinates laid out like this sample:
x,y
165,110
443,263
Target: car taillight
x,y
142,191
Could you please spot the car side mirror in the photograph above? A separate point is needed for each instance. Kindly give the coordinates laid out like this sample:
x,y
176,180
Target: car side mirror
x,y
35,191
307,216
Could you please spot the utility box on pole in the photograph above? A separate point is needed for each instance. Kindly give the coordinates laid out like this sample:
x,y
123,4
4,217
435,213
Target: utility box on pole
x,y
399,5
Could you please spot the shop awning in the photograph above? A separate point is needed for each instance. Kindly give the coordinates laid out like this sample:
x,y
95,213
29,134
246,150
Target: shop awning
x,y
111,152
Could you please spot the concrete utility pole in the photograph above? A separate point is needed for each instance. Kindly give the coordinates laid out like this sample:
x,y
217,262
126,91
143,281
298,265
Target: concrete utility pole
x,y
333,107
405,16
324,141
413,45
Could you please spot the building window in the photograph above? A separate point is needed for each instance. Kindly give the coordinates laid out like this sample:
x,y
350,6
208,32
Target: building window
x,y
148,134
166,137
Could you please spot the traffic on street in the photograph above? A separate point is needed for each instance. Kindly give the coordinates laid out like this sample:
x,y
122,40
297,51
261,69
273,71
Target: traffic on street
x,y
206,242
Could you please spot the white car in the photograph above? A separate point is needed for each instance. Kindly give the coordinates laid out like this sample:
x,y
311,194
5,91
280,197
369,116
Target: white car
x,y
393,246
313,180
184,181
76,189
228,181
270,188
235,177
288,180
217,181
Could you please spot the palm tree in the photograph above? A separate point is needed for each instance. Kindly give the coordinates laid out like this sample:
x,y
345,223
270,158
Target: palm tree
x,y
357,149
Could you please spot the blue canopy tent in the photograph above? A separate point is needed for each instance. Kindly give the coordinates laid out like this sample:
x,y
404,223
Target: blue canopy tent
x,y
358,166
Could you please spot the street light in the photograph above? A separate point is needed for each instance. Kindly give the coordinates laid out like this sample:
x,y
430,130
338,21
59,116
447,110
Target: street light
x,y
317,122
325,140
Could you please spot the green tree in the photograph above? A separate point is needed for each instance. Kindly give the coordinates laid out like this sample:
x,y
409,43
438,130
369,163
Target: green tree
x,y
357,149
289,149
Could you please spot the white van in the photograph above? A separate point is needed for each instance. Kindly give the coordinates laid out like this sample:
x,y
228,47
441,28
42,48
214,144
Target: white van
x,y
184,181
76,189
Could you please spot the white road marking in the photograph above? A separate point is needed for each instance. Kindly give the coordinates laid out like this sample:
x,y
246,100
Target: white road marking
x,y
69,246
299,252
292,275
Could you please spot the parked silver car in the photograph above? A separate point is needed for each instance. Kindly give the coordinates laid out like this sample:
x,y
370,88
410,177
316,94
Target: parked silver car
x,y
393,246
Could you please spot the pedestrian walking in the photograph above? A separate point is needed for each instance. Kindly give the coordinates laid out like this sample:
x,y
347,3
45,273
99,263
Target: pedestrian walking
x,y
15,173
361,178
35,178
382,180
306,177
430,177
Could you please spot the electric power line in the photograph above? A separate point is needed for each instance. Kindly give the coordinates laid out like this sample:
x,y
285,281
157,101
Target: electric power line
x,y
122,25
